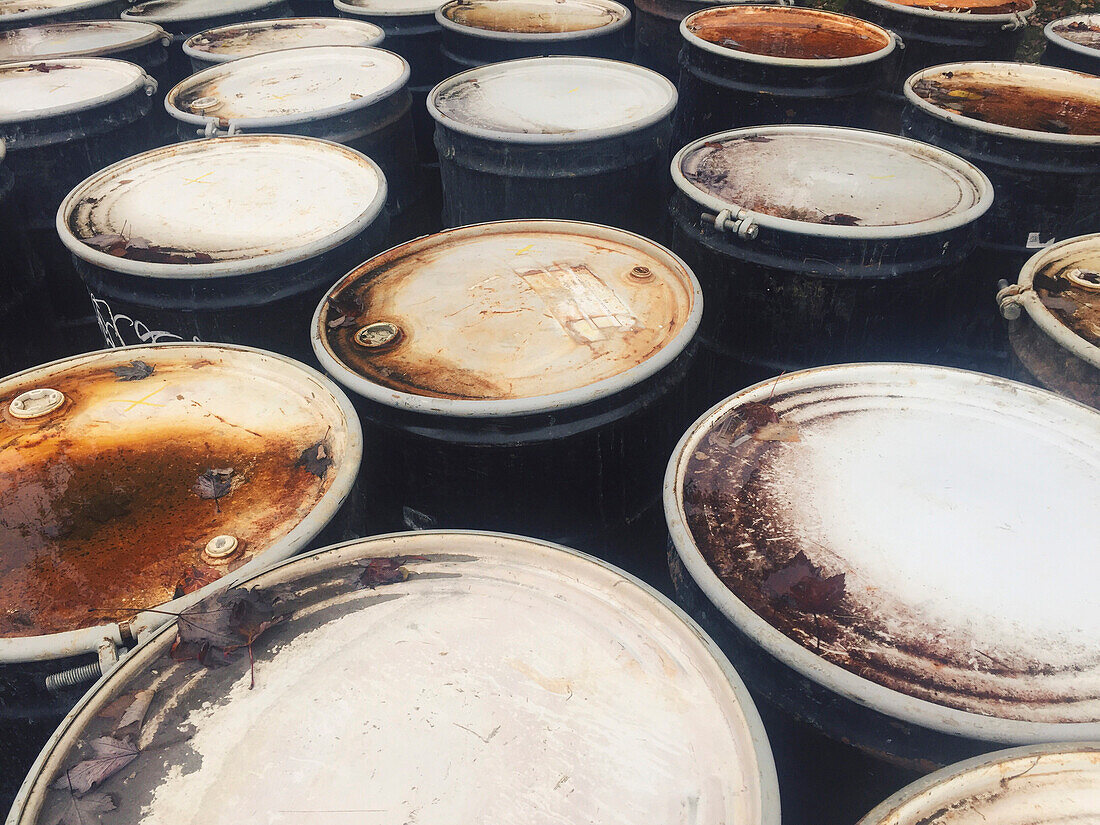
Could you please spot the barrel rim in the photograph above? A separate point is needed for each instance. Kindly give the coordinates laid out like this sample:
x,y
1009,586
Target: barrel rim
x,y
791,654
973,124
735,55
67,731
552,138
513,407
154,34
976,176
1053,37
139,81
1038,311
192,50
86,640
20,18
957,17
225,68
229,268
533,37
425,9
136,11
926,785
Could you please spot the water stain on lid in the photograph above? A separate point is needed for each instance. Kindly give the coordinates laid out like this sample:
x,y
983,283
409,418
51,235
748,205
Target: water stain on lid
x,y
534,16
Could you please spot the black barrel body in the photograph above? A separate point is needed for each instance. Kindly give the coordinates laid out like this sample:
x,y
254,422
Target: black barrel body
x,y
465,49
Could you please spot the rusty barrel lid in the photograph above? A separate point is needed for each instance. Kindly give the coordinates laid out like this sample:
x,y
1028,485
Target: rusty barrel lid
x,y
176,12
917,539
1038,785
552,100
80,38
787,36
34,90
119,467
278,88
222,207
832,182
1010,13
261,36
388,8
536,20
1019,100
1079,33
15,13
450,677
507,318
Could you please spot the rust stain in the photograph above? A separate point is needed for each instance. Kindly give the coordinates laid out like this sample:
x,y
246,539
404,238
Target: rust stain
x,y
1082,32
522,17
789,32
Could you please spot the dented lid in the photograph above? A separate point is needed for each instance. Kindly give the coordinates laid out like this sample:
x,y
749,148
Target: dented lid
x,y
533,19
977,12
262,36
82,38
1080,33
1021,100
552,100
120,466
833,182
29,12
388,8
918,539
186,11
34,91
289,86
786,35
445,677
507,318
1043,785
224,206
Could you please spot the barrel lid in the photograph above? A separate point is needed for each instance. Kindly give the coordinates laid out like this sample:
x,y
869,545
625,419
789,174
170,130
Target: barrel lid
x,y
1039,785
552,100
183,11
34,90
222,206
261,36
1080,33
75,39
120,465
977,12
388,8
532,316
917,539
786,36
27,12
443,677
832,182
277,88
1021,100
533,19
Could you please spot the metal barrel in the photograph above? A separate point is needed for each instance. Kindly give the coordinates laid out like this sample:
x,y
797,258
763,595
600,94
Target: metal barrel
x,y
230,239
220,45
1073,43
756,65
517,375
16,14
477,32
183,18
1053,314
519,656
554,137
141,479
352,95
837,532
818,245
312,8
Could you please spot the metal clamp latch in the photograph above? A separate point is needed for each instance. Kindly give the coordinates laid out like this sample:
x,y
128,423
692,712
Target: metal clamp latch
x,y
212,130
73,677
1008,299
1018,22
740,224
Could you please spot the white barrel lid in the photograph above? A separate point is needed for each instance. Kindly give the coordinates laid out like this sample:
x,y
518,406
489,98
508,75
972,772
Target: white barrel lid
x,y
552,100
532,316
1041,785
260,36
277,88
974,12
223,206
103,512
34,90
832,182
1080,33
1020,100
183,11
79,38
917,539
488,678
537,20
28,12
388,8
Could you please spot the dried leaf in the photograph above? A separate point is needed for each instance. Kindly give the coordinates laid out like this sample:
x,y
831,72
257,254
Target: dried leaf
x,y
214,484
761,421
141,249
841,219
129,726
777,431
316,458
196,579
111,756
85,810
801,583
385,570
134,371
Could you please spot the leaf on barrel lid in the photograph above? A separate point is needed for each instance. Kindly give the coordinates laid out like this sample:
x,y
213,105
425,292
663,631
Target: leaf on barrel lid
x,y
761,421
196,578
129,725
841,219
110,756
316,458
85,809
214,484
385,570
348,312
134,371
800,582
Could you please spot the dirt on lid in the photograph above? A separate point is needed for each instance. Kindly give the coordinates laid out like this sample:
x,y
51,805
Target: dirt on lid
x,y
789,32
1083,32
1070,289
970,6
533,16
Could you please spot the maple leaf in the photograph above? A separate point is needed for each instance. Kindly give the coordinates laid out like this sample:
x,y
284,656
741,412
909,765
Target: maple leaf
x,y
129,725
111,756
385,570
134,371
195,579
85,809
316,458
214,484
